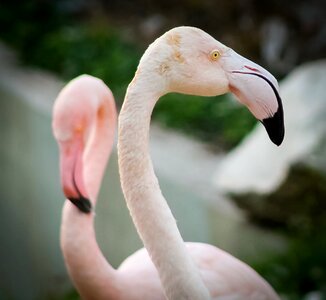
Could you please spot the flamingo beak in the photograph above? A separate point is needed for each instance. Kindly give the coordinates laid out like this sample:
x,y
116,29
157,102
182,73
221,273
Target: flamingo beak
x,y
71,169
256,88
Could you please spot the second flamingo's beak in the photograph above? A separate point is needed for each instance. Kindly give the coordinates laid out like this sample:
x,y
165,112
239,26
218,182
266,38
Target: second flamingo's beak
x,y
71,169
256,88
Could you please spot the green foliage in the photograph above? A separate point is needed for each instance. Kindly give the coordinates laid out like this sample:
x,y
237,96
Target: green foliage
x,y
71,51
218,120
24,25
297,209
51,37
301,269
46,37
73,295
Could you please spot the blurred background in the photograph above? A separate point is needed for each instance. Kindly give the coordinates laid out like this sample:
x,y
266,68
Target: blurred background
x,y
225,182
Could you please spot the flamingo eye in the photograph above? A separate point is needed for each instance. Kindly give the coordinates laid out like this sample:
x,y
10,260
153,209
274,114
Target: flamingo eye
x,y
215,54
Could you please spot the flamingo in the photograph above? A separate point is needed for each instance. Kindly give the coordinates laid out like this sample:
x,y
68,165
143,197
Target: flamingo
x,y
185,60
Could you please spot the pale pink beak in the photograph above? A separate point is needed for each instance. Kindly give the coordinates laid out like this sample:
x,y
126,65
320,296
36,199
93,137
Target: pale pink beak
x,y
71,169
256,88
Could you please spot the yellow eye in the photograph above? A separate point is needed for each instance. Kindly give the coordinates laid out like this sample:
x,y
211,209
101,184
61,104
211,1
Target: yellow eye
x,y
215,54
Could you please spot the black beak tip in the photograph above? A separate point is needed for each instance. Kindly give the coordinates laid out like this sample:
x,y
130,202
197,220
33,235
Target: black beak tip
x,y
275,128
82,203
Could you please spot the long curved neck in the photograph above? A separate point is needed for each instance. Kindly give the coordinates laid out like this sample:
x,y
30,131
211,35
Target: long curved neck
x,y
92,275
150,212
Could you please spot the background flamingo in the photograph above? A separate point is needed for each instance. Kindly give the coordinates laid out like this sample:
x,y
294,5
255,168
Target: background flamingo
x,y
83,124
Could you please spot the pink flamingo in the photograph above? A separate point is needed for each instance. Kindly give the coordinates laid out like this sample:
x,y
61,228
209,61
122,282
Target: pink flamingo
x,y
186,60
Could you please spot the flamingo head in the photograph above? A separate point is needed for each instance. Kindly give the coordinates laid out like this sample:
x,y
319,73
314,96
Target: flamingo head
x,y
193,62
70,128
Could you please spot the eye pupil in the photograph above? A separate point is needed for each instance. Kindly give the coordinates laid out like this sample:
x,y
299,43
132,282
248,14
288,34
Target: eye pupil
x,y
215,54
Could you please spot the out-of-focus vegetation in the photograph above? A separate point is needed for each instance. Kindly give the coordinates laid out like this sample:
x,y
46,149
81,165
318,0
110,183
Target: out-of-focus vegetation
x,y
54,35
47,37
75,37
301,270
218,120
296,211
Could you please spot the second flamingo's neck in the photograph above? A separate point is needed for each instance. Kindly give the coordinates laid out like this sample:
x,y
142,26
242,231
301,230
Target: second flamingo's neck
x,y
150,212
88,268
93,276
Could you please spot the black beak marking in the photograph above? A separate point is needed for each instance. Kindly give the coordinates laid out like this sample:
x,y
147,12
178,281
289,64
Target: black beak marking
x,y
82,203
274,125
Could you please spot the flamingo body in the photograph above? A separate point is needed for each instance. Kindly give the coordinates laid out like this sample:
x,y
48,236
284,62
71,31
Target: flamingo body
x,y
225,276
84,121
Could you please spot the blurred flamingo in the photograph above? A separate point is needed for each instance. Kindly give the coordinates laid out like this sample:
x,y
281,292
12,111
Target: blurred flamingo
x,y
184,60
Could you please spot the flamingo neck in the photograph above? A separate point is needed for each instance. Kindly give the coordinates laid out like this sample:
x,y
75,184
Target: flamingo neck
x,y
151,214
92,275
